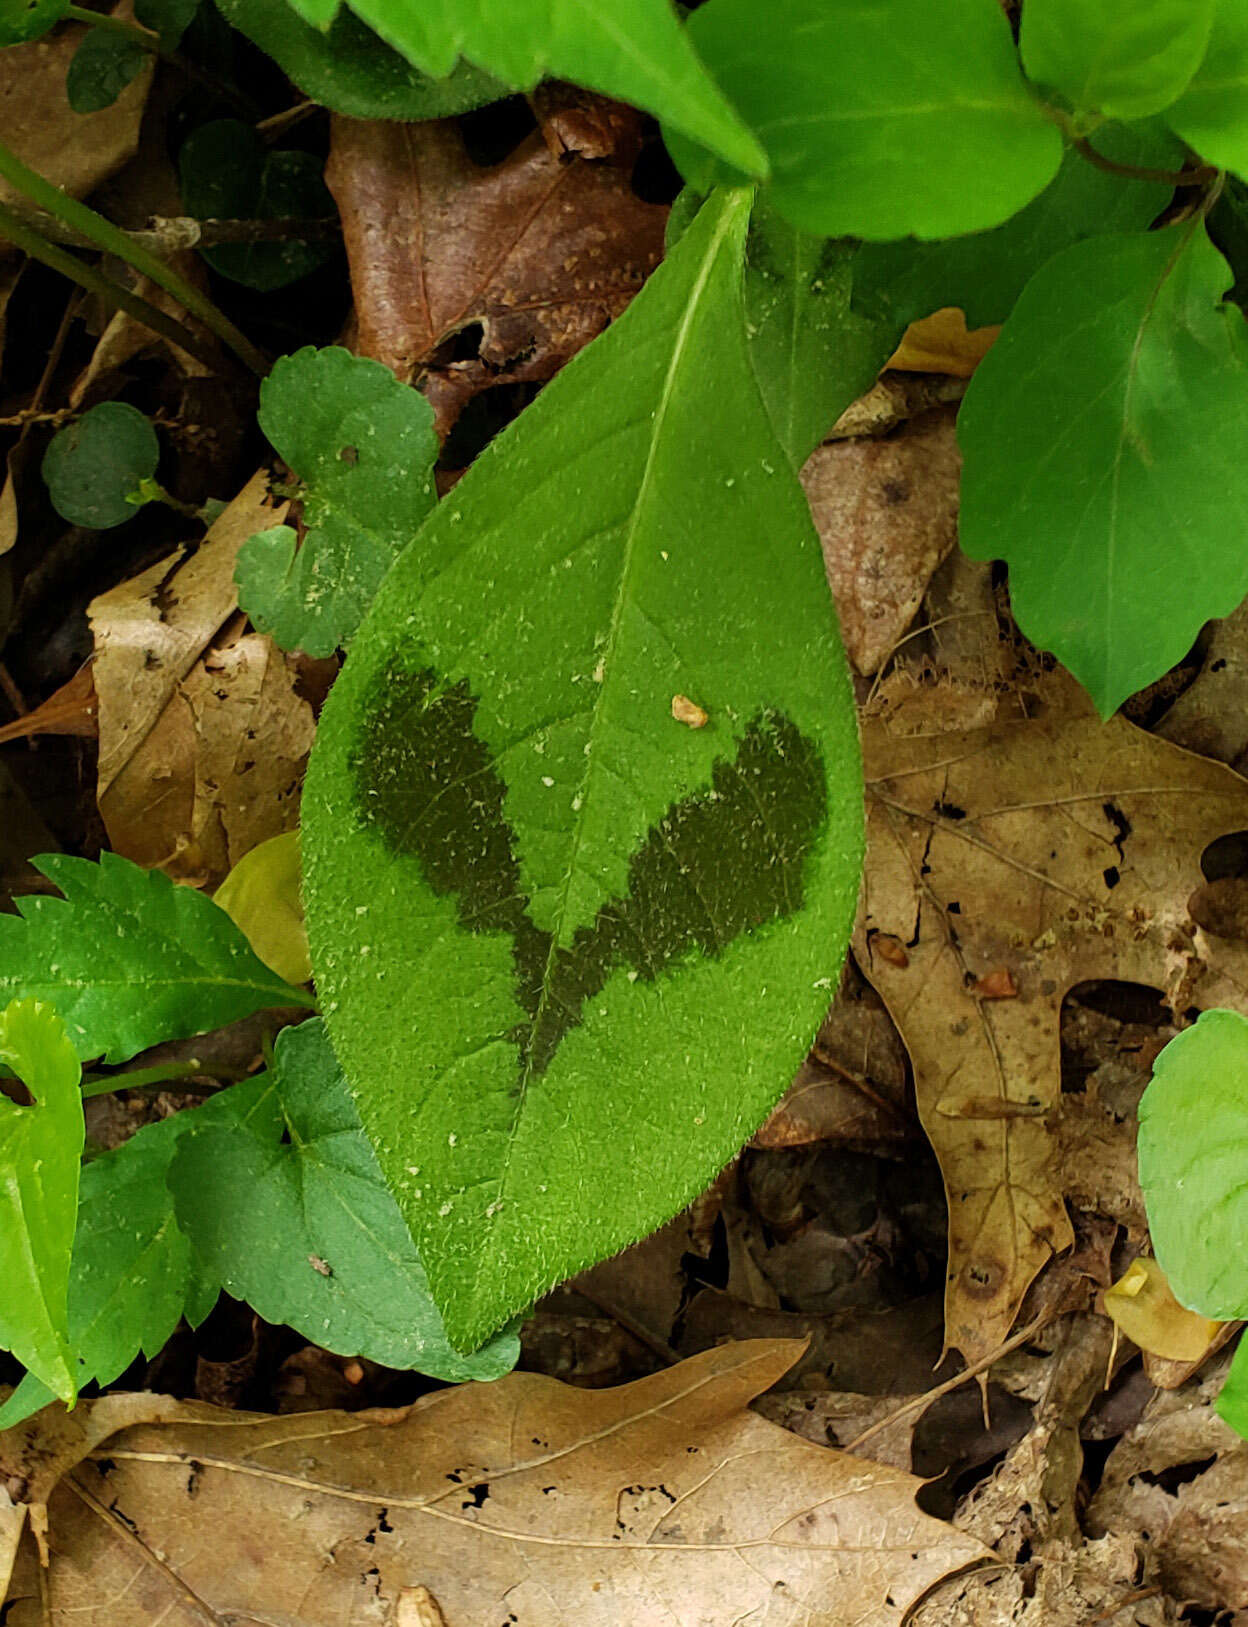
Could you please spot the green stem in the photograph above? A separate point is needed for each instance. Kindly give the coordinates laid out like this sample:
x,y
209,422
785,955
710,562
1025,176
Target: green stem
x,y
103,1084
112,240
1199,176
95,282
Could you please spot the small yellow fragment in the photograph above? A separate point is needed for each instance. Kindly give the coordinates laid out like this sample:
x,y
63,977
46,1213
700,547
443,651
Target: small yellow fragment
x,y
1143,1307
689,712
261,896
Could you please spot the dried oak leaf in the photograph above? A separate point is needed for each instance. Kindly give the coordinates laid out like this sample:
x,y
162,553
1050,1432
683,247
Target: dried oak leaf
x,y
541,253
203,733
1057,848
525,1499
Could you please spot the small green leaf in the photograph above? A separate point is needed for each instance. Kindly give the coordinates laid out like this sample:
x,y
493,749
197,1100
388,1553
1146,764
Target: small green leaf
x,y
284,1200
1125,61
1212,113
637,53
549,918
227,173
1193,1150
103,65
1232,1404
94,467
349,69
130,959
168,18
261,896
364,446
882,120
1118,388
40,1150
22,20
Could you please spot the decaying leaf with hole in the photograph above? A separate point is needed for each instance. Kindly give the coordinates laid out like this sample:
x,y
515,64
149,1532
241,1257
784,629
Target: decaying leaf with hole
x,y
524,1499
536,253
1049,849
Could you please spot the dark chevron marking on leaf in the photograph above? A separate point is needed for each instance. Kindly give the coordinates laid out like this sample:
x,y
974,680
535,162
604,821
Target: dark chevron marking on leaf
x,y
715,866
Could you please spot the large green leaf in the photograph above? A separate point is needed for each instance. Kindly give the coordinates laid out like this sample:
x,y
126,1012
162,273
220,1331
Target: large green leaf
x,y
637,52
1193,1149
129,959
1125,61
1119,388
882,118
279,1190
40,1149
570,947
364,446
1212,114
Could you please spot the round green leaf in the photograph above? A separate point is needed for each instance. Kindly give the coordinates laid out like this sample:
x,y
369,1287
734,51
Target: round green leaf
x,y
1212,114
94,467
1125,61
22,20
103,65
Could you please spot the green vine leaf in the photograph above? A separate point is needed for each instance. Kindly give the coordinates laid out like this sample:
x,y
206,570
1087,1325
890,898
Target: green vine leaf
x,y
40,1149
637,53
279,1191
23,20
1126,62
1212,113
1118,386
364,446
94,468
526,861
103,65
878,120
129,959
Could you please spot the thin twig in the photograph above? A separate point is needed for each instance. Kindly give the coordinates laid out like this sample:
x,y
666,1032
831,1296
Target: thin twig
x,y
171,234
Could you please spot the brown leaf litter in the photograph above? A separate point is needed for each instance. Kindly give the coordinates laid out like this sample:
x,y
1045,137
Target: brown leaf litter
x,y
666,1498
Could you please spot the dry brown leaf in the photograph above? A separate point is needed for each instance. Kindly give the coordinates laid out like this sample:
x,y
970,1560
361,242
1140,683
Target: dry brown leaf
x,y
75,151
940,343
886,512
1060,849
540,252
203,734
665,1499
1211,715
72,709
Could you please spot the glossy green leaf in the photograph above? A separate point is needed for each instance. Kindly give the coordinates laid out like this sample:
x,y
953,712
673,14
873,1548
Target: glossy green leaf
x,y
1193,1150
348,68
40,1149
1232,1404
984,273
882,118
22,20
129,959
364,446
133,1274
282,1196
1212,114
1120,388
637,53
549,920
94,467
1125,61
103,65
261,896
227,173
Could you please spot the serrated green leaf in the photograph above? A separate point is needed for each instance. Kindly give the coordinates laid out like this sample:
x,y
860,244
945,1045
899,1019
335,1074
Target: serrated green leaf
x,y
227,173
1118,388
103,65
1232,1404
346,67
549,919
261,896
94,467
637,53
984,273
1193,1151
129,959
40,1149
22,20
284,1199
1212,113
364,446
878,116
1126,62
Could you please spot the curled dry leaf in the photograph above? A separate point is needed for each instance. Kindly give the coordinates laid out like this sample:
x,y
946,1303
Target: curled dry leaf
x,y
203,735
1051,850
72,709
538,252
556,1507
886,512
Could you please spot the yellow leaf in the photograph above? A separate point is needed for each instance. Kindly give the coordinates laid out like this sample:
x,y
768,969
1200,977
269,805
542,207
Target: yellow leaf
x,y
1142,1306
261,896
941,344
